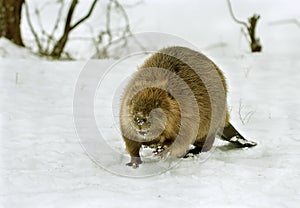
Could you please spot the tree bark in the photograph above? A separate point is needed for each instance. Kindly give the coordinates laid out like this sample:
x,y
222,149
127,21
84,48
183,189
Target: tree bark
x,y
10,19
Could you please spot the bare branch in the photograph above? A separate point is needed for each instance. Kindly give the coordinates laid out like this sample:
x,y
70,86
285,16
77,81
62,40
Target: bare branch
x,y
125,31
133,4
60,44
286,21
254,42
56,24
233,17
245,118
68,26
125,15
108,29
216,45
110,38
36,37
86,16
246,35
122,33
39,19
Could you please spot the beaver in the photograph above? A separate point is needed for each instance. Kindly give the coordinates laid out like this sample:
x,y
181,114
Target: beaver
x,y
176,99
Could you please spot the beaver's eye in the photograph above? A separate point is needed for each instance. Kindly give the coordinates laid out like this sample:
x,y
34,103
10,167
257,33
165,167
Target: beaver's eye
x,y
132,102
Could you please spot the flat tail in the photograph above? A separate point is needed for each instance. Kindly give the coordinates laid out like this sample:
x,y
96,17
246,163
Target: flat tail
x,y
231,135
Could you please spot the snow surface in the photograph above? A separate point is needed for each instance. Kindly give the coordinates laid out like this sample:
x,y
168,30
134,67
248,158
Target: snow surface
x,y
43,162
13,51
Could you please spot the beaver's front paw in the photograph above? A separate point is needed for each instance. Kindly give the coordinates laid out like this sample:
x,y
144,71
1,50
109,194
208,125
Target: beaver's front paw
x,y
135,162
163,153
158,150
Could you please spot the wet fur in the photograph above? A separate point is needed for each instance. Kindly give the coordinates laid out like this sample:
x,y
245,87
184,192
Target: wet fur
x,y
185,85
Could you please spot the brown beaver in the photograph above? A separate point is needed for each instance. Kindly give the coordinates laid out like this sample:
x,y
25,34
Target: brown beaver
x,y
176,99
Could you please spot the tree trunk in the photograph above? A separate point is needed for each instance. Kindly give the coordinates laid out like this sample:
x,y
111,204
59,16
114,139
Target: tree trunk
x,y
10,19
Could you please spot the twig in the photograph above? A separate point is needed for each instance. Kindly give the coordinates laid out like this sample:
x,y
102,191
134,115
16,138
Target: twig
x,y
123,37
233,17
133,4
60,44
17,78
127,29
44,32
108,28
36,37
245,35
246,118
286,21
56,24
254,42
125,15
86,16
247,71
69,16
216,45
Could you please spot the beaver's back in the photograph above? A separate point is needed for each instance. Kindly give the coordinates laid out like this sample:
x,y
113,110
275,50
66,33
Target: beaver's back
x,y
203,77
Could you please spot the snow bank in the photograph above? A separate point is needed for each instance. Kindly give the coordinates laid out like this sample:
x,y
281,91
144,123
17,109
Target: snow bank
x,y
11,50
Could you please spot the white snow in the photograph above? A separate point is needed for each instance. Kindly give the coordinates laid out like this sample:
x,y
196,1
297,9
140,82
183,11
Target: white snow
x,y
43,162
13,51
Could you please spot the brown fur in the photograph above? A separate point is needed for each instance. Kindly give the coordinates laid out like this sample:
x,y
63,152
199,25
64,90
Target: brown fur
x,y
175,99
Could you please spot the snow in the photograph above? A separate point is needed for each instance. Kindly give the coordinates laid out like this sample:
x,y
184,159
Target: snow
x,y
13,51
44,162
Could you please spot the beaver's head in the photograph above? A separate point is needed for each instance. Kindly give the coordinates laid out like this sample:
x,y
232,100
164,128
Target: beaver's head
x,y
151,109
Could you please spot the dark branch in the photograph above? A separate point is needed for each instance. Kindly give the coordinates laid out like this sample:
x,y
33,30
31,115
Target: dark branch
x,y
69,17
86,16
60,44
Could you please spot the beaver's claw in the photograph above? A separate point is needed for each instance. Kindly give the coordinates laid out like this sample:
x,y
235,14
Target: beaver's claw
x,y
135,162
